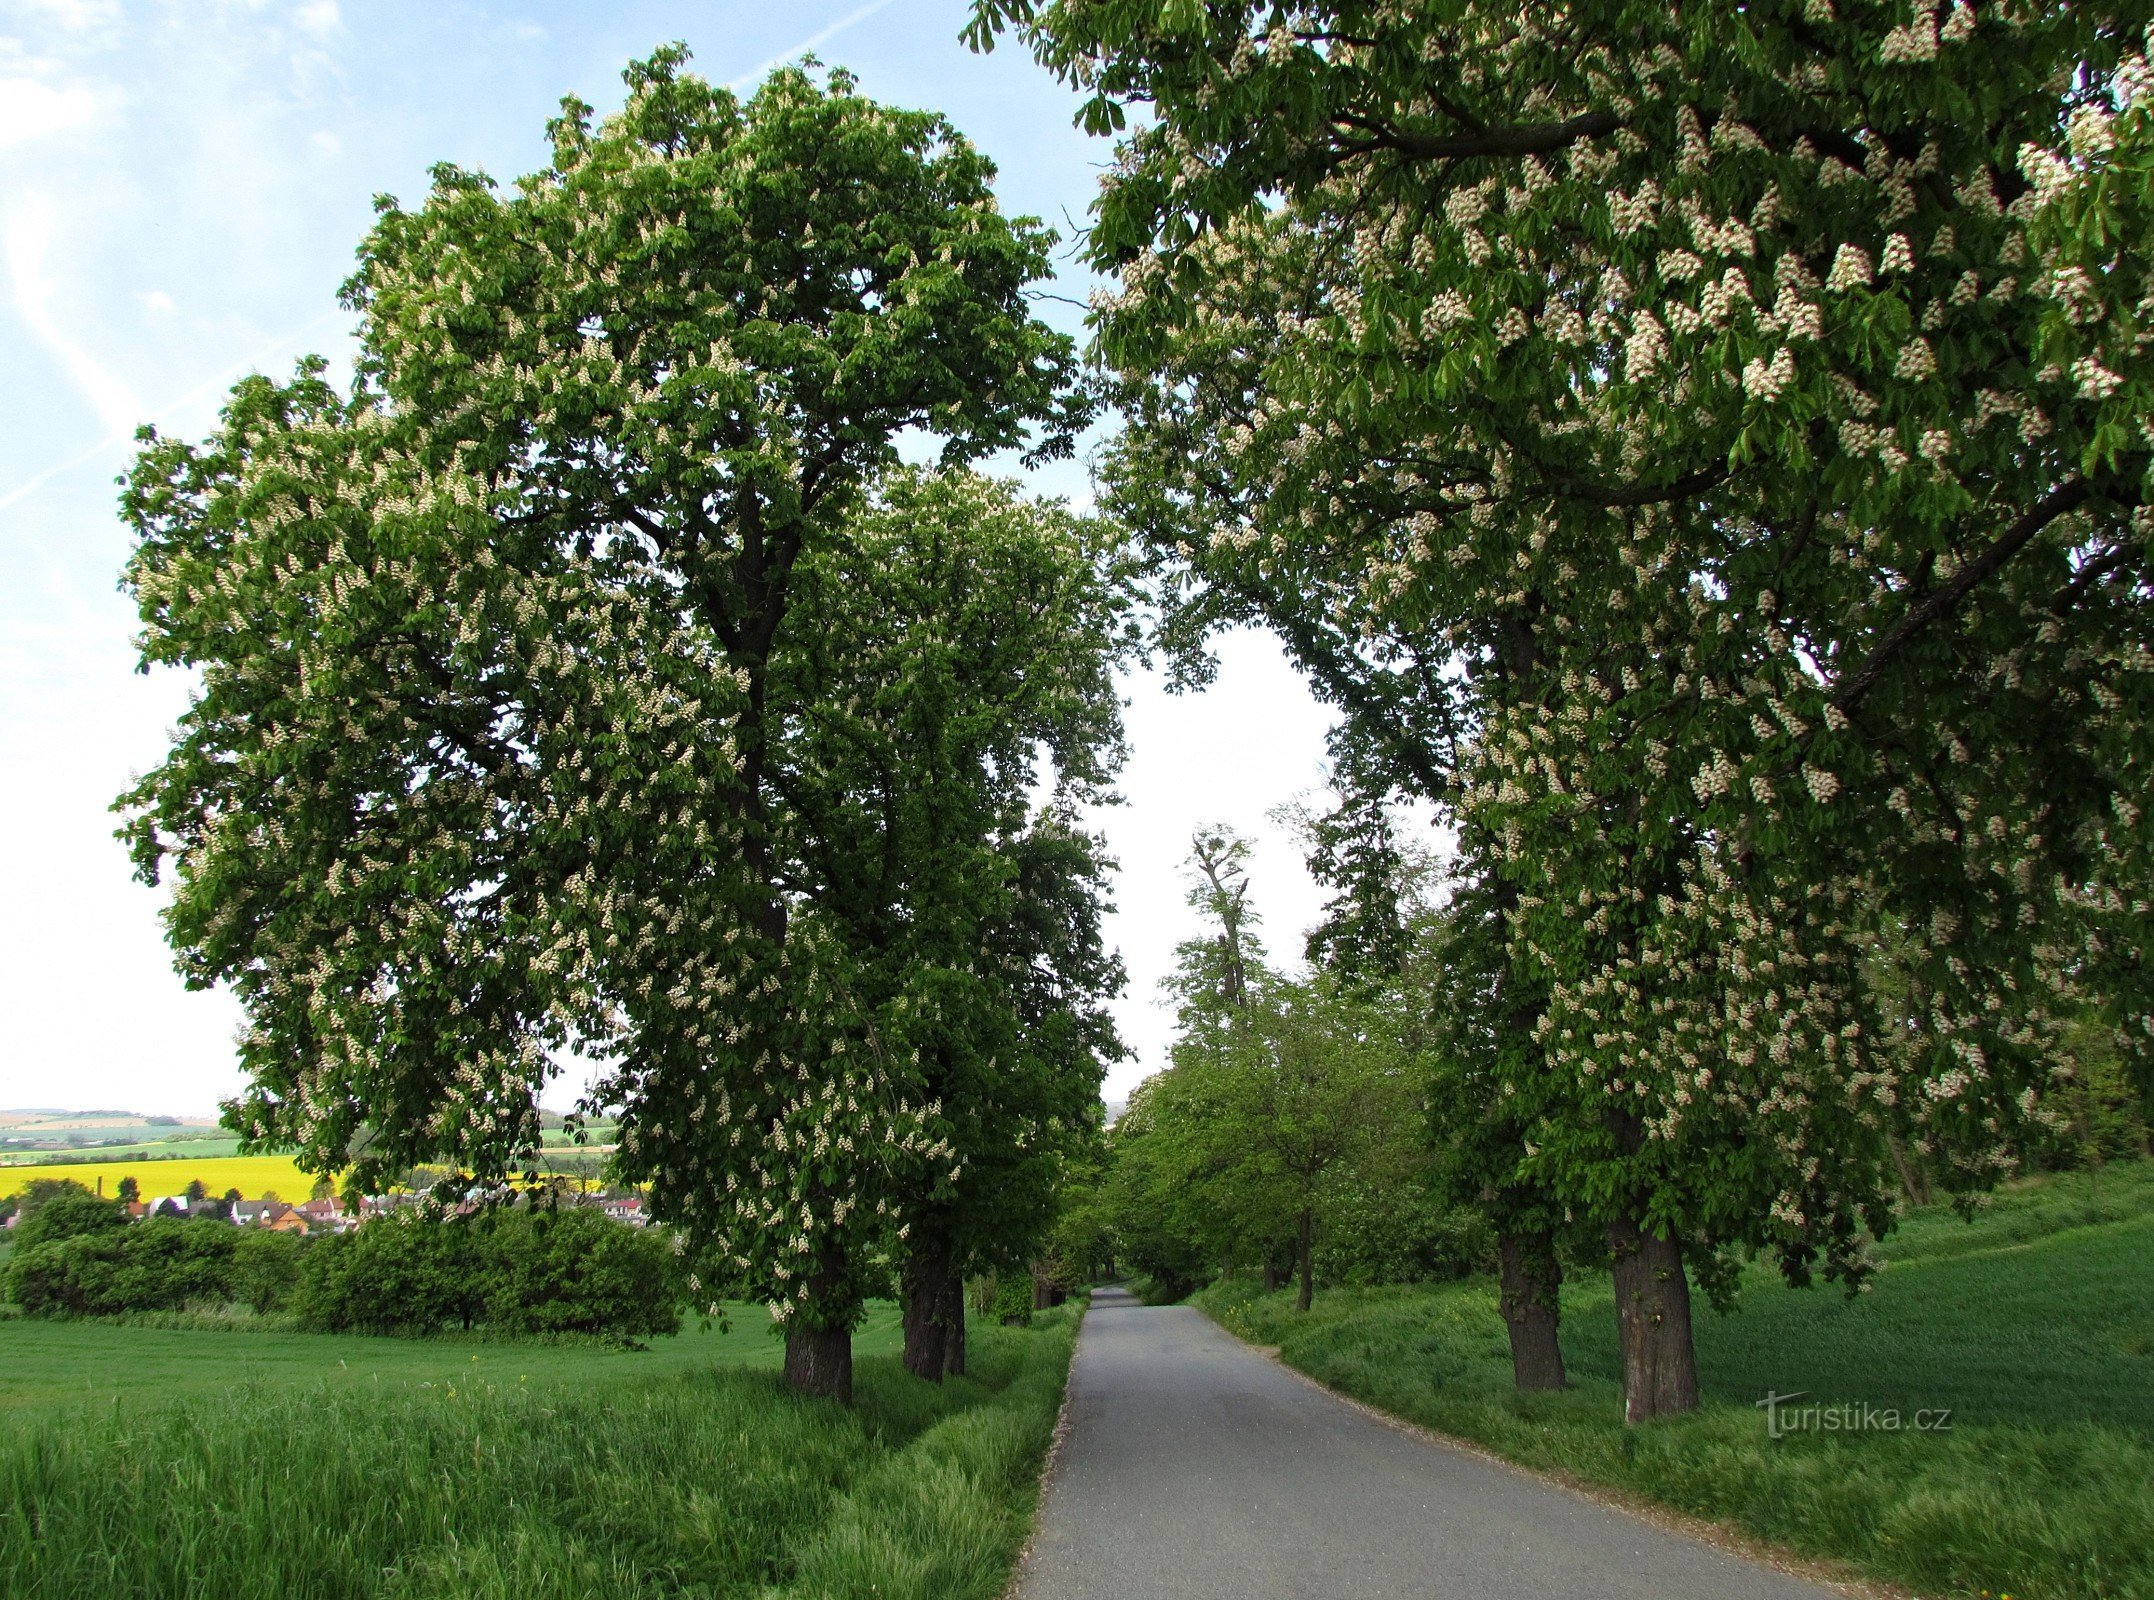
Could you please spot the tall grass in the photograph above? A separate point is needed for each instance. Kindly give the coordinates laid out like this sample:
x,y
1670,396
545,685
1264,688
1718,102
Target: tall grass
x,y
2034,1324
682,1482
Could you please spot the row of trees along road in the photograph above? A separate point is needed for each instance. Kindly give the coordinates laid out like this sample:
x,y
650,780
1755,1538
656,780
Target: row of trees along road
x,y
589,679
1703,450
1284,1101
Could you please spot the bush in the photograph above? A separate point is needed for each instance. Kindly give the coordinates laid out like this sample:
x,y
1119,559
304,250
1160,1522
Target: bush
x,y
63,1209
265,1269
547,1271
578,1271
401,1274
160,1266
1372,1237
527,1272
1013,1300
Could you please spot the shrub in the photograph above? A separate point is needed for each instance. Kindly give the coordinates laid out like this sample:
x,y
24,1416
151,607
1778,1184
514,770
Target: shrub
x,y
160,1266
1372,1236
577,1271
265,1269
401,1274
64,1210
547,1271
1013,1300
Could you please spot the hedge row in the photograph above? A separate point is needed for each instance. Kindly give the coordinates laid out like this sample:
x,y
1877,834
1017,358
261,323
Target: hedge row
x,y
542,1271
569,1271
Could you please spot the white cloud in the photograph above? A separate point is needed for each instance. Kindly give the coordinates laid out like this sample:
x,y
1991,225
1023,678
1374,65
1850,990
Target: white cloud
x,y
157,303
318,17
29,237
73,14
328,144
33,110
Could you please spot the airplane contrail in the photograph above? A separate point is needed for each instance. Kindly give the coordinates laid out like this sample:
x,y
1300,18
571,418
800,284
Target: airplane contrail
x,y
850,19
23,491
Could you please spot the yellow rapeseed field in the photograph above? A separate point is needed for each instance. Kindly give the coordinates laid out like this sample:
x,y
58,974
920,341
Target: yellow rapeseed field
x,y
250,1175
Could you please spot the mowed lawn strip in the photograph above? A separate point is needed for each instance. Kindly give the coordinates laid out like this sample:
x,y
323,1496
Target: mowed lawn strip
x,y
536,1472
2033,1325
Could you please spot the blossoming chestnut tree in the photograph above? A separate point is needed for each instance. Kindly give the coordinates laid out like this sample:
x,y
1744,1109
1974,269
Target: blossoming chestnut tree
x,y
481,766
952,661
1706,447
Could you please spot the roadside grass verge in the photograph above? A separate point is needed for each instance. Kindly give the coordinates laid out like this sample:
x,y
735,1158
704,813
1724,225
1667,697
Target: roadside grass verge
x,y
2034,1325
610,1474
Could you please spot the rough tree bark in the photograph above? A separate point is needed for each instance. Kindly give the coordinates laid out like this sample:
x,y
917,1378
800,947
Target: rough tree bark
x,y
819,1361
924,1310
953,1341
1660,1361
1529,1279
1305,1254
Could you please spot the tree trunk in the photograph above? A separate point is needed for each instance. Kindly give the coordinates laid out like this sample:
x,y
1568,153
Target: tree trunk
x,y
1912,1181
925,1310
1660,1361
1530,1278
1043,1287
1304,1241
819,1361
1270,1279
953,1335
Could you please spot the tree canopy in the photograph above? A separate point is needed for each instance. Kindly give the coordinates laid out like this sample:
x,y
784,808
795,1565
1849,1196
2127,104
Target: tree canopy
x,y
1705,451
951,661
484,765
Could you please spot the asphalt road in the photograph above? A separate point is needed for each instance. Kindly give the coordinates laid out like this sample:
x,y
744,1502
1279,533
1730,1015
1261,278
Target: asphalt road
x,y
1193,1468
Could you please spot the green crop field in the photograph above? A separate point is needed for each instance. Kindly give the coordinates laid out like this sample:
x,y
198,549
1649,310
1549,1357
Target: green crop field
x,y
192,1148
2033,1325
265,1466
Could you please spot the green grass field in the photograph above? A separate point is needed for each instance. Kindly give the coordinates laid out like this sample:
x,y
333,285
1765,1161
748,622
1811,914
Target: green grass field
x,y
47,1363
2034,1325
287,1466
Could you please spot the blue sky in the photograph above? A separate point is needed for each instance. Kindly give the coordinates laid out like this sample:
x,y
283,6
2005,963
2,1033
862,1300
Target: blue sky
x,y
182,186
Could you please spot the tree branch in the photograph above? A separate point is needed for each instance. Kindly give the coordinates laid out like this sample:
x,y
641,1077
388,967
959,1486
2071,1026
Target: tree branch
x,y
2065,497
2090,575
1532,139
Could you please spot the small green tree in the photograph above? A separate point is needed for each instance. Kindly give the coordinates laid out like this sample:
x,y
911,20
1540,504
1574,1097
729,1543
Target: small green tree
x,y
406,1273
573,1269
1285,1098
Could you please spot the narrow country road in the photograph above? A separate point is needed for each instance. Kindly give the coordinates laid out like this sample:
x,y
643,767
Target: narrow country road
x,y
1195,1468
